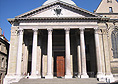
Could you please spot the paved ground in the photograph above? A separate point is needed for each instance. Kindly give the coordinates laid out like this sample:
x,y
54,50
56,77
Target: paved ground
x,y
59,81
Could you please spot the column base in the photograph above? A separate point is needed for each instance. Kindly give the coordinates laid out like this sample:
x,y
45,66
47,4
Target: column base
x,y
105,78
68,76
49,77
84,76
12,78
110,78
101,77
34,77
79,76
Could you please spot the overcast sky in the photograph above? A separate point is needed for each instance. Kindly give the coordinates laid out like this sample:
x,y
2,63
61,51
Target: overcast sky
x,y
12,8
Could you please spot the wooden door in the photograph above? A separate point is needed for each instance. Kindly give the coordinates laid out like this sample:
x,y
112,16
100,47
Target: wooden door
x,y
60,66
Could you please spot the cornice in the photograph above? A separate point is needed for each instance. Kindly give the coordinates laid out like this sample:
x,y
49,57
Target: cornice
x,y
107,13
58,19
113,20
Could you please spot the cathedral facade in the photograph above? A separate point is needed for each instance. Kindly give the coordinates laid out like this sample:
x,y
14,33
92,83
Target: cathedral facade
x,y
59,39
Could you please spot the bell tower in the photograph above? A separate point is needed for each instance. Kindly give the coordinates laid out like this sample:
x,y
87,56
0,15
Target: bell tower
x,y
108,8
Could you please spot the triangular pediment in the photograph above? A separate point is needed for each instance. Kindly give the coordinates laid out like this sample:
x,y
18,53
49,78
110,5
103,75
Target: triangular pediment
x,y
58,9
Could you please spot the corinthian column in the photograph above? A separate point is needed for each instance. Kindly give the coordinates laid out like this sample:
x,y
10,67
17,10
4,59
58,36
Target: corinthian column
x,y
34,54
49,55
68,57
98,54
19,53
83,54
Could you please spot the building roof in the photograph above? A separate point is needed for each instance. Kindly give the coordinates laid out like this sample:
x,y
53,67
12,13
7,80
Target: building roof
x,y
105,5
66,1
54,3
3,37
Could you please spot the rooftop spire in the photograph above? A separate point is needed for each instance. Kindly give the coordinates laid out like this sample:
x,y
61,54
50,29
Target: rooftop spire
x,y
66,1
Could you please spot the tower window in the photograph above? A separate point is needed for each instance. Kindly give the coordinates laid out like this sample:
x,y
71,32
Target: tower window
x,y
114,38
109,1
110,10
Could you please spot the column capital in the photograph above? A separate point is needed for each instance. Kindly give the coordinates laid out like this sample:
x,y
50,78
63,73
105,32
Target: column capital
x,y
35,31
82,29
96,29
20,31
49,30
67,30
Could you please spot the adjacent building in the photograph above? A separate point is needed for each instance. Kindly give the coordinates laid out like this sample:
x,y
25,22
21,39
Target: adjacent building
x,y
4,50
60,39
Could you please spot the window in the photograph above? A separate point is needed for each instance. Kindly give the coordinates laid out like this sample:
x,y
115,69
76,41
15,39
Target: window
x,y
109,1
2,48
110,10
114,38
2,64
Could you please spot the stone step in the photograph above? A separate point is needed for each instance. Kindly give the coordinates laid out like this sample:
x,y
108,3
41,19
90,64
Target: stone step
x,y
58,81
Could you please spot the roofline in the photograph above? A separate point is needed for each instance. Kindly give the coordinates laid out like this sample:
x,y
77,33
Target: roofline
x,y
12,20
63,2
98,6
69,5
6,42
107,13
42,7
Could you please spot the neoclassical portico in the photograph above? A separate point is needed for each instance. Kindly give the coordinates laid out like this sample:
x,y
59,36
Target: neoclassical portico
x,y
34,73
57,40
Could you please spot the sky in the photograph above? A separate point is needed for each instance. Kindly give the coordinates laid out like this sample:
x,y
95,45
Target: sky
x,y
12,8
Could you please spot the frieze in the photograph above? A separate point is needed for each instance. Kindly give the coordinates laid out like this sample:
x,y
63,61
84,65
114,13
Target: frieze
x,y
56,19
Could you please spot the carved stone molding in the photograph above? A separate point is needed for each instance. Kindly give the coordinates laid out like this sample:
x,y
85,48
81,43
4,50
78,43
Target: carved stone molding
x,y
97,30
50,30
20,31
116,27
35,31
104,31
67,30
82,30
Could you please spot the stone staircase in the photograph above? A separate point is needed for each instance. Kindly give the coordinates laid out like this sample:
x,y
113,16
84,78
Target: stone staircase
x,y
59,81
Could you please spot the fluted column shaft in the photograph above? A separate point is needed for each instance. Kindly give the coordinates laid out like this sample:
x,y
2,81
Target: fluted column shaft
x,y
19,53
98,54
83,54
49,55
34,52
68,57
